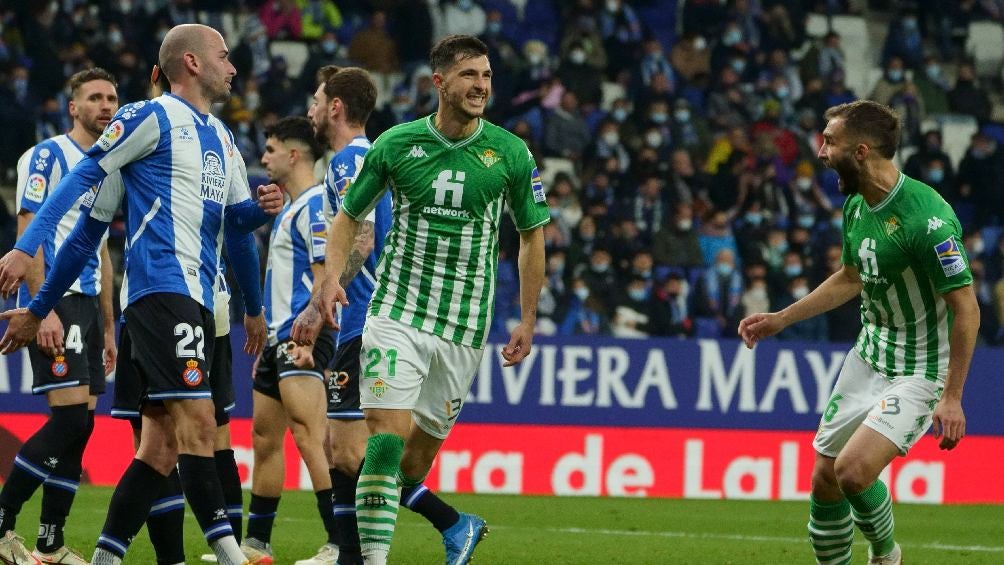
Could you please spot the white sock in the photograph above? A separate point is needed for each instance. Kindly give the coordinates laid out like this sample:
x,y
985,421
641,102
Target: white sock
x,y
375,557
227,551
105,557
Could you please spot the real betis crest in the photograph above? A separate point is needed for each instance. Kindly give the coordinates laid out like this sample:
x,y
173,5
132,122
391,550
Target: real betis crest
x,y
891,225
489,158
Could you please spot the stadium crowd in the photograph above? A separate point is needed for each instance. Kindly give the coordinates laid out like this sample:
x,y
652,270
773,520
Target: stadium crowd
x,y
677,145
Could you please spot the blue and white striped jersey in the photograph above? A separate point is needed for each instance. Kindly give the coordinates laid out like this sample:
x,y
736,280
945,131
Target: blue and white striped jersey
x,y
342,172
179,170
298,239
38,172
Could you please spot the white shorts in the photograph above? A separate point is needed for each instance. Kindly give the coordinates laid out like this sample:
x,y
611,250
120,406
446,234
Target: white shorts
x,y
403,368
900,409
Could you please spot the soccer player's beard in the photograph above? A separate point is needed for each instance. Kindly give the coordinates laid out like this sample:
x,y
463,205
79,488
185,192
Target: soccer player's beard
x,y
321,133
92,127
850,177
456,103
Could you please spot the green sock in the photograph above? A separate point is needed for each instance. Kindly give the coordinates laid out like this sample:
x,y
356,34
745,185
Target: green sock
x,y
831,531
872,512
377,495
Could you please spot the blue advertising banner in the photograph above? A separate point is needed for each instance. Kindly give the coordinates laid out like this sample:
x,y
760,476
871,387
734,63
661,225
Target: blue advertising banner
x,y
669,383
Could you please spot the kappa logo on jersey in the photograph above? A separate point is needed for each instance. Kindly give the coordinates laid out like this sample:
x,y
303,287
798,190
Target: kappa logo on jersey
x,y
89,196
35,189
417,151
185,135
60,367
113,133
950,256
537,187
934,223
489,158
192,375
213,178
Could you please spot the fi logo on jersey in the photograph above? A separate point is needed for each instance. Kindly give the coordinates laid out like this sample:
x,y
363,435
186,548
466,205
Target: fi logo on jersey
x,y
950,256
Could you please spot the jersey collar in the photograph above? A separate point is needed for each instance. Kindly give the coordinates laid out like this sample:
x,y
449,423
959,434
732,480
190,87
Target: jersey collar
x,y
445,141
890,196
204,118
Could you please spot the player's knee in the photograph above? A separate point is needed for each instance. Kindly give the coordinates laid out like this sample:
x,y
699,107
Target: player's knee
x,y
70,422
196,432
851,475
348,458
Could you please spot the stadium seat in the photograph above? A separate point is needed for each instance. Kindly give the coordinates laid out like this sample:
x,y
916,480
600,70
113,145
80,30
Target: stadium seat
x,y
295,53
816,25
986,45
551,166
611,91
956,132
904,153
858,54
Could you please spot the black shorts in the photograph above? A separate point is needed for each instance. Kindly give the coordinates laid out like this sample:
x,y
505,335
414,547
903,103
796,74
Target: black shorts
x,y
130,392
276,364
173,338
83,341
343,385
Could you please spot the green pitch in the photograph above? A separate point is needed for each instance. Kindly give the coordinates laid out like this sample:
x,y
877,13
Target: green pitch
x,y
558,531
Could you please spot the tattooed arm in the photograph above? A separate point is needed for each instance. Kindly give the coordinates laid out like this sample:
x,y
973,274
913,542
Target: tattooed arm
x,y
362,246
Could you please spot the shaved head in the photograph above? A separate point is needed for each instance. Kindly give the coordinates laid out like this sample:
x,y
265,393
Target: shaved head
x,y
181,39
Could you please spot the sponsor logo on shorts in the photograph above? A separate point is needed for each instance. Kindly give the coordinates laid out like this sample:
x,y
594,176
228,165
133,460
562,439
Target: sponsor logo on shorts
x,y
60,367
192,375
950,256
378,388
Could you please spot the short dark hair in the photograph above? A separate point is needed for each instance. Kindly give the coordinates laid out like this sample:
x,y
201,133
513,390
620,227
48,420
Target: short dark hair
x,y
299,129
453,48
354,87
872,121
87,75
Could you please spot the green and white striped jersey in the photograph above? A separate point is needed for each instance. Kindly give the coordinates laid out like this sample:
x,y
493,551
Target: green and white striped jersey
x,y
908,249
438,268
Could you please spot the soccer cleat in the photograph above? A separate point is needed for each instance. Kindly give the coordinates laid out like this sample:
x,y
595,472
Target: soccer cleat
x,y
257,553
327,555
894,557
461,538
13,551
62,556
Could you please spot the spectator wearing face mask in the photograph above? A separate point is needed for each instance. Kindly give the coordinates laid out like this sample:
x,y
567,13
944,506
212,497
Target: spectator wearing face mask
x,y
599,273
672,318
933,85
622,36
325,51
980,173
904,41
751,231
930,150
779,279
677,243
811,329
720,292
968,97
585,32
893,78
566,133
580,77
635,312
688,130
585,314
608,144
528,89
807,197
756,298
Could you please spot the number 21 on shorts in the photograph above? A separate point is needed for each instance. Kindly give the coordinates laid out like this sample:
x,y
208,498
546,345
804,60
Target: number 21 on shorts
x,y
377,360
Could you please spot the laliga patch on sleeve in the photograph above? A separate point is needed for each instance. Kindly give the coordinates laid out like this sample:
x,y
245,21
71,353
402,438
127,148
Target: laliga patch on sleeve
x,y
318,237
950,256
35,190
537,187
113,132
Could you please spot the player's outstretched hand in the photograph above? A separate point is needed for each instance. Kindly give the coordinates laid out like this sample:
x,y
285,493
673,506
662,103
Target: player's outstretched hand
x,y
519,344
257,333
270,199
949,422
50,335
22,327
13,267
755,327
307,325
330,295
111,352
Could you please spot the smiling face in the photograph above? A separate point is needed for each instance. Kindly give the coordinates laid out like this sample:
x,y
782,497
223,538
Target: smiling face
x,y
465,87
93,105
